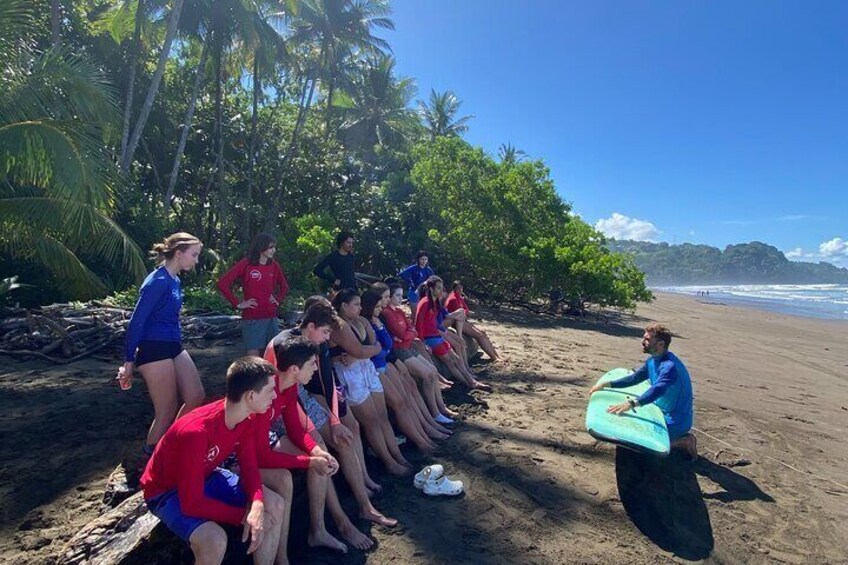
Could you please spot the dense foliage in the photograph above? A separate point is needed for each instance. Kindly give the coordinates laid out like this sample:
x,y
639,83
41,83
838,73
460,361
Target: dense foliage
x,y
228,117
746,263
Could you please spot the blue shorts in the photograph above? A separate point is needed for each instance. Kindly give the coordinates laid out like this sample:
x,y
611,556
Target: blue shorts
x,y
438,345
257,333
222,485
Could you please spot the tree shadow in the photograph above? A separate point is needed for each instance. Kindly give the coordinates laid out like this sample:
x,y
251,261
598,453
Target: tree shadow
x,y
663,499
617,324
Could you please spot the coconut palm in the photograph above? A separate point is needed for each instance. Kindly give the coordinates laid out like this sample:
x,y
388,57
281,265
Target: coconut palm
x,y
509,155
440,115
58,185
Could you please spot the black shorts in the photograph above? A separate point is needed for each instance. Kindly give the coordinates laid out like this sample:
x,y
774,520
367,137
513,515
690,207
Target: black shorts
x,y
150,350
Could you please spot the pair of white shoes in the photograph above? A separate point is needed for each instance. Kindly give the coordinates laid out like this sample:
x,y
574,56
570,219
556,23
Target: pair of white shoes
x,y
432,480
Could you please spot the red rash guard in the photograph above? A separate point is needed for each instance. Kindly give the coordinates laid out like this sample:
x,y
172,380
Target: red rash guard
x,y
399,326
259,282
285,406
188,453
455,301
425,319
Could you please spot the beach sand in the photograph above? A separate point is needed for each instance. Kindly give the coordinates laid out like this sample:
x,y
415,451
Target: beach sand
x,y
771,409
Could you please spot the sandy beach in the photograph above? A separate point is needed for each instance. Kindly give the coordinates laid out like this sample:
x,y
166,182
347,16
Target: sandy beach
x,y
771,408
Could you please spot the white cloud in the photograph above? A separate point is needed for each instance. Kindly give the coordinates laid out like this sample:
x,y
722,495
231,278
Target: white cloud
x,y
836,247
796,253
620,226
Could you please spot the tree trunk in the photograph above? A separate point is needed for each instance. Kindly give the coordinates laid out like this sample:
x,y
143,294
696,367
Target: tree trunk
x,y
55,23
221,196
257,90
134,51
189,116
170,33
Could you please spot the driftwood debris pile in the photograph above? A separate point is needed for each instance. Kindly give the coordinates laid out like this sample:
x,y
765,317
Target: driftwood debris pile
x,y
62,333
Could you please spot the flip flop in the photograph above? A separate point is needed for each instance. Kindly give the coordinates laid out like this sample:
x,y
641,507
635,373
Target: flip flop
x,y
442,419
442,486
430,472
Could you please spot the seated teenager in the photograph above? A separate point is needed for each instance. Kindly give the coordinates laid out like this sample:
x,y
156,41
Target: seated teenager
x,y
327,410
402,394
184,487
455,303
285,427
351,353
427,326
403,334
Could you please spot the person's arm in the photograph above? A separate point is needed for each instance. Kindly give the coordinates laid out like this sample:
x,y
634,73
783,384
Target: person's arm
x,y
225,283
295,430
666,376
406,274
193,501
400,331
266,457
320,270
283,284
149,297
345,339
633,378
248,467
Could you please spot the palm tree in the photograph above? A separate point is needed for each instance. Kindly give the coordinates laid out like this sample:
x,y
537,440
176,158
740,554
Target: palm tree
x,y
378,111
440,115
509,155
58,185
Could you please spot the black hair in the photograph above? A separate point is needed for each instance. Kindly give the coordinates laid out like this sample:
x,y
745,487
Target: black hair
x,y
343,296
246,374
372,297
343,236
295,351
426,290
320,314
259,244
421,254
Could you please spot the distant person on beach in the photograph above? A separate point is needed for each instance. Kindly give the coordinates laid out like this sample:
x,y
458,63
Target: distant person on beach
x,y
154,341
341,262
187,490
264,287
455,302
414,275
671,388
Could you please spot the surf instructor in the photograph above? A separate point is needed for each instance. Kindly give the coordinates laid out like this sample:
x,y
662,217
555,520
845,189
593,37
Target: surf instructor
x,y
671,388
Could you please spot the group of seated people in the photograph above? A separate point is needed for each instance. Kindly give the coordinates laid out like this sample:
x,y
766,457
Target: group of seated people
x,y
317,389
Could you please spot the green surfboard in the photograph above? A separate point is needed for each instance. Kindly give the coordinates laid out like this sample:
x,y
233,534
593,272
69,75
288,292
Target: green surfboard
x,y
642,430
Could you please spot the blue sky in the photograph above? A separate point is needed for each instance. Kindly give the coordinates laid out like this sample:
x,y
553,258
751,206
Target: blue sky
x,y
711,122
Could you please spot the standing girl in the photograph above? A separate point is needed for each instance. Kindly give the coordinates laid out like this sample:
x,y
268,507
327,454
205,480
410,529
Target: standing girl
x,y
154,343
264,287
414,276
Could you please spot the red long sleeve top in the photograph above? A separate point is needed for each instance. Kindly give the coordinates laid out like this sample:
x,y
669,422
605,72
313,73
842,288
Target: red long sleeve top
x,y
285,406
260,282
456,301
425,319
399,327
188,453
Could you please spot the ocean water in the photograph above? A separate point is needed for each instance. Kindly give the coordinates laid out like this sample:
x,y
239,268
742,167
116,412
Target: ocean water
x,y
828,301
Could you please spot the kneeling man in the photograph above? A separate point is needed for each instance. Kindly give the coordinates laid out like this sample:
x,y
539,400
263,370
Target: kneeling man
x,y
671,388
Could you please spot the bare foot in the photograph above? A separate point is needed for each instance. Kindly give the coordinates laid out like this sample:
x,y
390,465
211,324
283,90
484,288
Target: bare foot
x,y
371,485
354,537
477,385
324,539
372,515
450,413
437,435
398,470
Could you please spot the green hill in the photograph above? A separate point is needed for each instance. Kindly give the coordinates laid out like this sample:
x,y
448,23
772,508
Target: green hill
x,y
744,263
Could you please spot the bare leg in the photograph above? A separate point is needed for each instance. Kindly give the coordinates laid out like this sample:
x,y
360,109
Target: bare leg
x,y
280,481
268,550
316,485
161,379
388,432
208,543
351,423
428,423
458,344
366,414
401,406
483,339
429,369
188,383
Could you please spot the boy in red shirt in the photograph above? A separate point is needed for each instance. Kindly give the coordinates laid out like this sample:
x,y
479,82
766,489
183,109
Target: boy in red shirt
x,y
184,487
264,287
294,447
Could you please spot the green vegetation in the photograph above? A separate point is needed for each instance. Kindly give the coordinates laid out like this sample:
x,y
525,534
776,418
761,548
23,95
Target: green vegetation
x,y
746,263
227,117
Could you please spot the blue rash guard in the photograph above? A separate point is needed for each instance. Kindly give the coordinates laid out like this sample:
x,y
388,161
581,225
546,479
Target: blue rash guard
x,y
386,342
414,276
157,312
671,391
